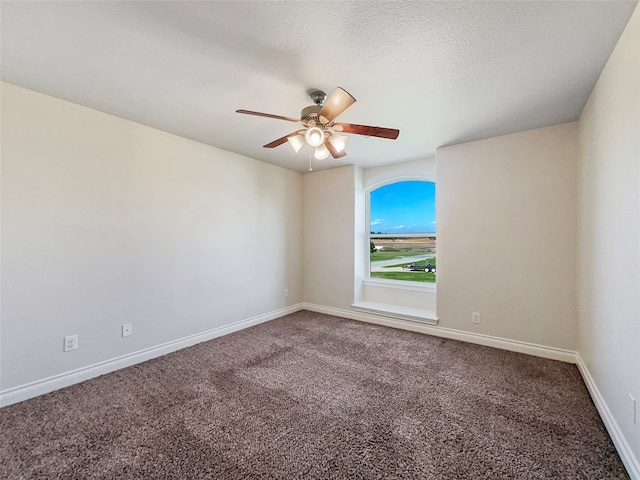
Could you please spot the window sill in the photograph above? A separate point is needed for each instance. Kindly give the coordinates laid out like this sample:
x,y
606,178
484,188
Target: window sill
x,y
400,284
398,312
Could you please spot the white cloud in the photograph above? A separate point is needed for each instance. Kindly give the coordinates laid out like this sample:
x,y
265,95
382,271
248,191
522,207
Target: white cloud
x,y
400,226
377,221
433,222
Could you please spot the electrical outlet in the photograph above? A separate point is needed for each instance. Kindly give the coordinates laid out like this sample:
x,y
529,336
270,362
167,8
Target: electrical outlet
x,y
286,292
475,317
70,343
634,415
127,330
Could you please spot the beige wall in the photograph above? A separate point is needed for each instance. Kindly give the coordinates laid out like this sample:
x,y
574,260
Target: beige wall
x,y
506,212
328,237
422,169
608,234
506,215
106,222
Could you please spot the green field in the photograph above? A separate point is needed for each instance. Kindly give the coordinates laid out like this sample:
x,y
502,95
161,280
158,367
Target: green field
x,y
409,276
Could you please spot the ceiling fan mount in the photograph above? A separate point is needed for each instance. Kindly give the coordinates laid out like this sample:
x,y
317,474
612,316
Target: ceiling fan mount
x,y
318,96
321,131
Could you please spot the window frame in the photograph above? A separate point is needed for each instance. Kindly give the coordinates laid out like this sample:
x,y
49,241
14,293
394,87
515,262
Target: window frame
x,y
385,282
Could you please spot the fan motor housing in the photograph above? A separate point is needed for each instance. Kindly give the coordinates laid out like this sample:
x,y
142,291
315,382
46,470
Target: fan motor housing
x,y
310,113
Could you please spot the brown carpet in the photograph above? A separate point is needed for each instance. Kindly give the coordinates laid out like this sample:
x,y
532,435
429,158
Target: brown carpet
x,y
314,396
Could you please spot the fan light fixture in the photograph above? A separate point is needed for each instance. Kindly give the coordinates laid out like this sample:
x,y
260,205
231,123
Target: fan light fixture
x,y
296,141
314,136
338,141
321,152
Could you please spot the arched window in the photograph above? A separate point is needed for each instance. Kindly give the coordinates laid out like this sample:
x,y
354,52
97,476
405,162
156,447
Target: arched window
x,y
402,236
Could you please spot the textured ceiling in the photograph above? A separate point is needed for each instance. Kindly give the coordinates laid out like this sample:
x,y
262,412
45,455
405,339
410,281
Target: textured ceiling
x,y
441,72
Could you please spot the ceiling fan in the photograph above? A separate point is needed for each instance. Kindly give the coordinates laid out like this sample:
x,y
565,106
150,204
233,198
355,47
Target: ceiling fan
x,y
321,131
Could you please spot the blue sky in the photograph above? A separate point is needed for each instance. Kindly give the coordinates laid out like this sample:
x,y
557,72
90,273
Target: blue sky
x,y
404,207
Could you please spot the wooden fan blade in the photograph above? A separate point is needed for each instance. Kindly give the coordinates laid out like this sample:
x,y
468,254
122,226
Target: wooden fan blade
x,y
368,130
332,150
269,115
337,103
281,140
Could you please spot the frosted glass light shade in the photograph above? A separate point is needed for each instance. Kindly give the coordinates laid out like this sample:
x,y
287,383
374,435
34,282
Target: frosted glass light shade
x,y
296,141
321,152
314,136
338,141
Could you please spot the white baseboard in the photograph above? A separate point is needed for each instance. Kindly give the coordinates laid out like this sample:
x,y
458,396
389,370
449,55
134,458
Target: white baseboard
x,y
624,450
553,353
46,385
